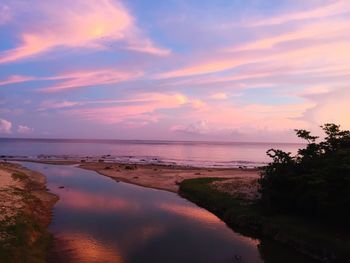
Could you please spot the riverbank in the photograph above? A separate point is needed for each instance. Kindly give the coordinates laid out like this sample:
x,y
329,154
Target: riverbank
x,y
25,214
240,212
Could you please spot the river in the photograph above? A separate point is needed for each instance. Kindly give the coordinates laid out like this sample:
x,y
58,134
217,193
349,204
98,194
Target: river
x,y
98,219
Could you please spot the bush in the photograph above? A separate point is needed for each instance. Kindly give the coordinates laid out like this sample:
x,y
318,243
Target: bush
x,y
315,182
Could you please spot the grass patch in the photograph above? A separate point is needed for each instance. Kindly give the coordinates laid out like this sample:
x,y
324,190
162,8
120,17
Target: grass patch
x,y
19,176
200,191
26,241
307,236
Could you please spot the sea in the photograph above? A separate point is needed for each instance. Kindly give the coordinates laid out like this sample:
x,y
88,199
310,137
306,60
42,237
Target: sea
x,y
183,153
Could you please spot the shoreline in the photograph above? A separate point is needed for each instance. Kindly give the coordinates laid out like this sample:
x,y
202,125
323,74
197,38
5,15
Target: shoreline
x,y
135,160
26,207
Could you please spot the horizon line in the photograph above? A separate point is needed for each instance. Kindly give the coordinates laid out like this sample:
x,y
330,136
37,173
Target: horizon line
x,y
145,140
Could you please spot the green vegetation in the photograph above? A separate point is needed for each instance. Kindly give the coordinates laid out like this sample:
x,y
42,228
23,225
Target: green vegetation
x,y
305,199
303,235
18,246
200,191
315,183
19,176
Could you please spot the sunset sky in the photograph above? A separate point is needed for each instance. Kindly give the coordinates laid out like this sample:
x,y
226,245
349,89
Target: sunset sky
x,y
234,70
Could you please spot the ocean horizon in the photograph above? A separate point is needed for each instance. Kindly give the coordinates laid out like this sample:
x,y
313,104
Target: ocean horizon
x,y
188,153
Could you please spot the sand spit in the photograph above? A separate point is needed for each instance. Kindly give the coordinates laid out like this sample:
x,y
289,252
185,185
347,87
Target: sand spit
x,y
163,176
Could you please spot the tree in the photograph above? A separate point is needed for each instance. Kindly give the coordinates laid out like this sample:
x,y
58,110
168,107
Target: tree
x,y
315,182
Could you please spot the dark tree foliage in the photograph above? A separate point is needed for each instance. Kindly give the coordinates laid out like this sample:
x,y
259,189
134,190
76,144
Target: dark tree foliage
x,y
314,183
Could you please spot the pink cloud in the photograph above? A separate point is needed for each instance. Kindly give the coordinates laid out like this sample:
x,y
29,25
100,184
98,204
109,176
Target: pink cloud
x,y
5,126
23,129
249,118
299,46
77,79
198,127
73,80
51,104
137,111
147,46
88,24
315,90
206,118
330,9
15,79
203,67
324,30
297,58
329,107
219,96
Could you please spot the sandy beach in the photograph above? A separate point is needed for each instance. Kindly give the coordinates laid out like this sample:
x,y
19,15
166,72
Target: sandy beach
x,y
164,177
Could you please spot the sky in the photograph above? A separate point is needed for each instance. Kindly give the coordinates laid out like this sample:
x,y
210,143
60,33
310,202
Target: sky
x,y
223,70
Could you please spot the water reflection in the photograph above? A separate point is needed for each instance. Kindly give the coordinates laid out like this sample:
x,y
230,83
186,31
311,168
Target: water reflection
x,y
194,213
100,220
77,199
79,247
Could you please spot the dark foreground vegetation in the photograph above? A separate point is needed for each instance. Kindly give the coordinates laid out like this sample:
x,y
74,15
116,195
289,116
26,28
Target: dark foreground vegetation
x,y
315,183
28,241
305,199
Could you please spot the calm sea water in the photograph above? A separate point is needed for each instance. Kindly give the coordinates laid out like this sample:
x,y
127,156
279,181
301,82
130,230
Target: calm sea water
x,y
203,154
98,219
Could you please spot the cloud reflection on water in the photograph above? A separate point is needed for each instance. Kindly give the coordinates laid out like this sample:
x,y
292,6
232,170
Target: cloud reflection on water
x,y
189,212
79,247
76,199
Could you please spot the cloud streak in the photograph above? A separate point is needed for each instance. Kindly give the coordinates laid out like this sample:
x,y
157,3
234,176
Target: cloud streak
x,y
137,111
76,79
331,8
80,79
86,24
175,72
15,79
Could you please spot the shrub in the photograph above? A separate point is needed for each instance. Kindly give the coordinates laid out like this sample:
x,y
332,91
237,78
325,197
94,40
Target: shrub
x,y
313,183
